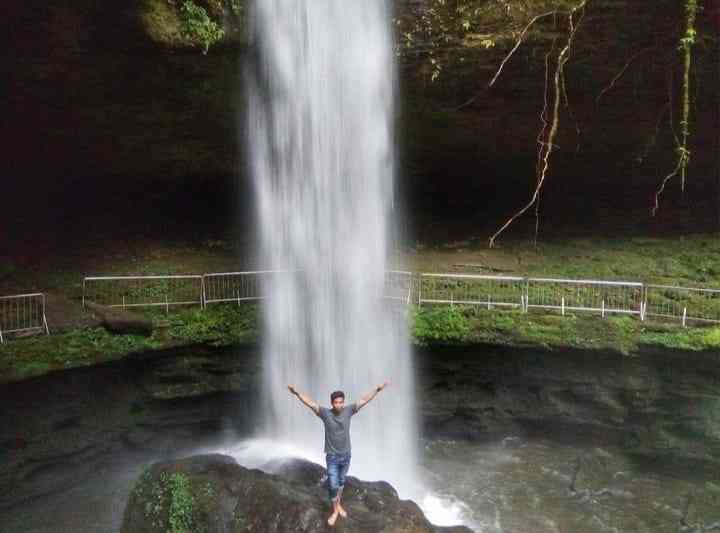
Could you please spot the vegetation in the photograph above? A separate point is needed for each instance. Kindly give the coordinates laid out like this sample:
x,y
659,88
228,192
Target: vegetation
x,y
170,503
217,325
200,23
442,324
691,261
443,33
198,26
617,332
24,358
450,36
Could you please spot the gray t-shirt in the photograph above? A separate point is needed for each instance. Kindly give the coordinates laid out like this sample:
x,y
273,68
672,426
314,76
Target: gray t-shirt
x,y
337,428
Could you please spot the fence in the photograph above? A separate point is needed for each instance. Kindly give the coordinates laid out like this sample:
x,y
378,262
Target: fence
x,y
596,296
238,286
468,289
22,313
681,303
398,286
585,295
143,291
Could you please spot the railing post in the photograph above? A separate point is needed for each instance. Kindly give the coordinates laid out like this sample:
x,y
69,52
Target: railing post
x,y
643,302
602,312
47,330
203,296
563,305
684,317
527,295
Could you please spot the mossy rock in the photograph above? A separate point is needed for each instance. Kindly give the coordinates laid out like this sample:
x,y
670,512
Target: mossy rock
x,y
185,496
212,493
194,24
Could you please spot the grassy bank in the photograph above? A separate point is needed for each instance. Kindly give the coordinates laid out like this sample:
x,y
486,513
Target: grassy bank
x,y
623,334
219,325
688,261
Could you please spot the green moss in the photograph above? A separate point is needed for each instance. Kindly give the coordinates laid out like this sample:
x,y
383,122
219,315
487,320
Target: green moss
x,y
162,22
24,358
441,324
184,24
621,333
691,261
182,504
218,324
169,503
198,27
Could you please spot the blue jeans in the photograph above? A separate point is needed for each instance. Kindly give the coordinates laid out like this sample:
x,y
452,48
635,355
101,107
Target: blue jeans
x,y
337,467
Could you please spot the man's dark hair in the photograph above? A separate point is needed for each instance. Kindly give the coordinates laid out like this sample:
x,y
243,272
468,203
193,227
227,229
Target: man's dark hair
x,y
337,394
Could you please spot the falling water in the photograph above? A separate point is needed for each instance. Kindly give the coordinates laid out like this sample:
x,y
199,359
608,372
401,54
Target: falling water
x,y
321,148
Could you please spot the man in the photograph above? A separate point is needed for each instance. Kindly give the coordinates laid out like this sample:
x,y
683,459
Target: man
x,y
337,440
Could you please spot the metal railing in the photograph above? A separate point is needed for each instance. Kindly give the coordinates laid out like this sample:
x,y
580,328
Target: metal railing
x,y
237,286
22,313
398,286
597,296
143,291
683,303
481,291
470,289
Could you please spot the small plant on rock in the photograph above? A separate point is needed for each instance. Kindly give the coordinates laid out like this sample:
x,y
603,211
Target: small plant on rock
x,y
197,25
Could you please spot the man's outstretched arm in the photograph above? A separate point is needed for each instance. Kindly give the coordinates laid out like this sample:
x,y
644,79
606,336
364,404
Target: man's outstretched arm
x,y
304,399
369,396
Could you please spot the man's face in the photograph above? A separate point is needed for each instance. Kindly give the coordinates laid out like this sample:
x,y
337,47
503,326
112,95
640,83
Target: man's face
x,y
338,404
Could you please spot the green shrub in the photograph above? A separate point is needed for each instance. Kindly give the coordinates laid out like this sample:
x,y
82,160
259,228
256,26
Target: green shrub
x,y
439,325
220,324
197,25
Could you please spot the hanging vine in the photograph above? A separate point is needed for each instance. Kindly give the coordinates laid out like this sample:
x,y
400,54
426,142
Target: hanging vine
x,y
438,35
546,137
682,150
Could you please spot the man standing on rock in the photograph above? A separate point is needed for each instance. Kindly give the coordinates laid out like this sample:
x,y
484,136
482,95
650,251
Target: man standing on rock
x,y
337,440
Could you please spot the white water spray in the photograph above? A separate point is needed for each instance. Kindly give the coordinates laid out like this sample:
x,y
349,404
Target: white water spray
x,y
322,154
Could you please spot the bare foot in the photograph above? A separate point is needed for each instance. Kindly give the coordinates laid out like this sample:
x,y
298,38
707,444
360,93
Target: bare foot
x,y
342,511
332,519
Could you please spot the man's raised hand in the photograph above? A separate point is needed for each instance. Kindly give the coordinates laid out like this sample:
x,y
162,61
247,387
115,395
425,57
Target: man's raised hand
x,y
292,389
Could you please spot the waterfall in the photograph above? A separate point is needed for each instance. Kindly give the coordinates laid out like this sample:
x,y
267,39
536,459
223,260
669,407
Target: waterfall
x,y
321,149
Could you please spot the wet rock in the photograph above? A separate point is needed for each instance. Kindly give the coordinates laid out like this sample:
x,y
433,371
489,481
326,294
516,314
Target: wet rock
x,y
213,493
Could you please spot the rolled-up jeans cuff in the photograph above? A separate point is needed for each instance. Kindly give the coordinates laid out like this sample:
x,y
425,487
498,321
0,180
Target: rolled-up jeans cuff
x,y
337,467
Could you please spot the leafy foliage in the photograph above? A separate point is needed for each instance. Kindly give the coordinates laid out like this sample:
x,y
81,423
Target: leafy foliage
x,y
21,358
439,325
218,325
443,32
168,503
197,25
182,504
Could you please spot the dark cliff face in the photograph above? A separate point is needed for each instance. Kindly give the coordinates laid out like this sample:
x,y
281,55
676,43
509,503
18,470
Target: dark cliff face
x,y
102,98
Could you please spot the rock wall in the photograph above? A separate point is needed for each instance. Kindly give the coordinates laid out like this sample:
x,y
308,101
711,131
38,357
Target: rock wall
x,y
654,403
110,95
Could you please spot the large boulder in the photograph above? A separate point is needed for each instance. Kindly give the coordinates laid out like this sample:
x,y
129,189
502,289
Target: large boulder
x,y
120,321
212,493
